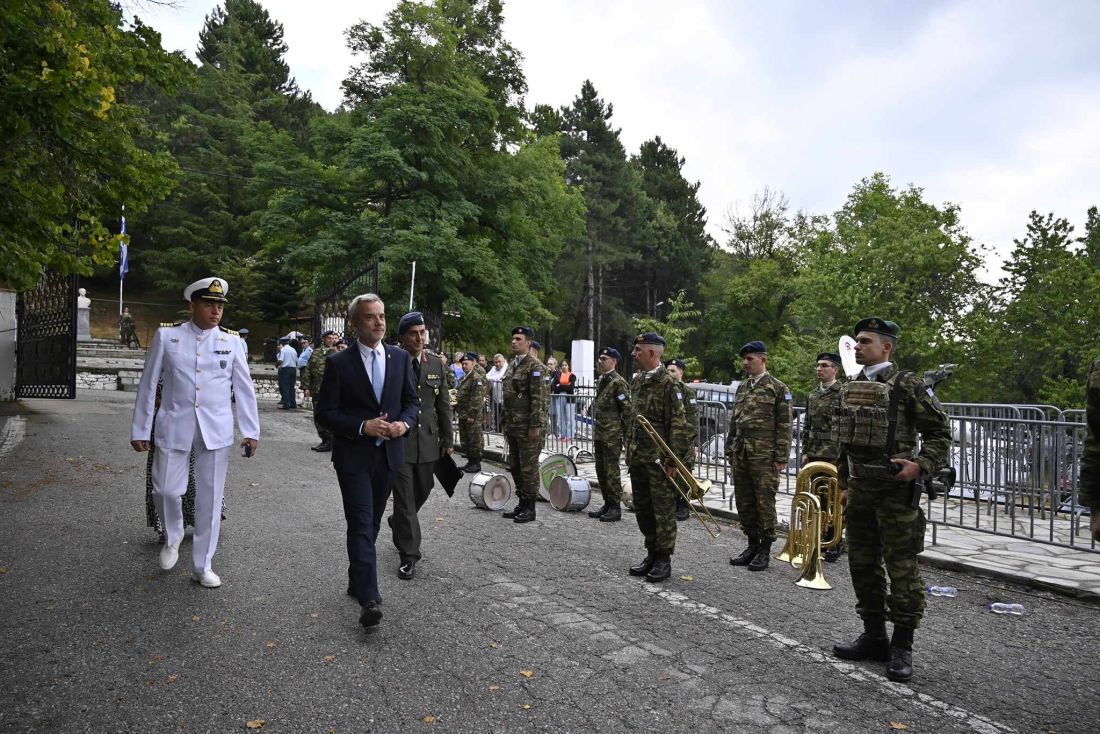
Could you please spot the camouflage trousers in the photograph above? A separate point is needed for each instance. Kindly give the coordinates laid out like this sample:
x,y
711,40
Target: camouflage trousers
x,y
755,483
655,507
607,469
523,462
885,534
470,437
324,433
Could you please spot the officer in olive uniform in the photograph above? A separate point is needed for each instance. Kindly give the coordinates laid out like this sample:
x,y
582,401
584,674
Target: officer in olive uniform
x,y
676,368
611,423
526,388
1088,494
311,384
757,447
470,408
424,444
818,439
655,395
882,414
127,333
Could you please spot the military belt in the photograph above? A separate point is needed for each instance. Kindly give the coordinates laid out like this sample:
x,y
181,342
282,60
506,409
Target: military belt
x,y
870,471
755,433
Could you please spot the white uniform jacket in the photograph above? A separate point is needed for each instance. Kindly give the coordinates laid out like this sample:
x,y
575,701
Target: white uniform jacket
x,y
202,371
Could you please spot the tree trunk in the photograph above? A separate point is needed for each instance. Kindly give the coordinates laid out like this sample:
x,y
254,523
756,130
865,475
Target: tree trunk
x,y
589,291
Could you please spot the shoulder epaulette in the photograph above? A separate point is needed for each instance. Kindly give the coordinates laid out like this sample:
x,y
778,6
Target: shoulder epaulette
x,y
170,324
228,331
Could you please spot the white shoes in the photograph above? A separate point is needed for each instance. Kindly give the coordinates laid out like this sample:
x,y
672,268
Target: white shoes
x,y
169,554
206,579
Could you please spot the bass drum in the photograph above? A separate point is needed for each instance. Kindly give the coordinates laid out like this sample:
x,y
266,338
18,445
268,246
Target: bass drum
x,y
570,494
490,491
628,496
553,466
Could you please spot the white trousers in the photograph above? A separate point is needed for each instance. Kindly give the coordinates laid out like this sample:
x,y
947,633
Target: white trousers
x,y
170,484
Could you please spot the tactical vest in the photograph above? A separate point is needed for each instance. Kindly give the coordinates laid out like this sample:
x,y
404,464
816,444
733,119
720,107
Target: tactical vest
x,y
862,419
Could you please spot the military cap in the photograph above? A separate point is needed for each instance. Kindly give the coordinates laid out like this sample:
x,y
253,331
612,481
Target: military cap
x,y
678,362
207,289
284,340
342,340
611,352
243,331
326,332
412,318
878,325
650,337
536,345
753,347
527,331
471,356
830,356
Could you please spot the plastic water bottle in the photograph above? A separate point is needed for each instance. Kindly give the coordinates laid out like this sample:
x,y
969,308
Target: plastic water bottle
x,y
1002,608
943,591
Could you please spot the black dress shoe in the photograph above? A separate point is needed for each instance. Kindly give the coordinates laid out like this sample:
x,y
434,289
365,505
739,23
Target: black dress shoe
x,y
510,514
472,467
644,567
371,615
900,667
351,591
322,447
613,515
600,512
406,570
662,569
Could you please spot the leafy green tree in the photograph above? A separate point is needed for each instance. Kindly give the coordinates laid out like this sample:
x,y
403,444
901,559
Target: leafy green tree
x,y
682,320
70,157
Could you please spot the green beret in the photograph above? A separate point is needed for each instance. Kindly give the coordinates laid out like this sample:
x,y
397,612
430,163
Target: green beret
x,y
879,326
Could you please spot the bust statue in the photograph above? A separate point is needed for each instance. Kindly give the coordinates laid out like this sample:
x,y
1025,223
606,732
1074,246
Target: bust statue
x,y
82,300
83,316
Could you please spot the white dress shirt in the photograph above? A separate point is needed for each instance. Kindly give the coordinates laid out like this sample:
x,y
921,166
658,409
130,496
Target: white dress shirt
x,y
870,371
288,357
378,352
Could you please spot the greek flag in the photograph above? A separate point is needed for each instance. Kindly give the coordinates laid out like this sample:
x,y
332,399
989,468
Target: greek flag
x,y
123,253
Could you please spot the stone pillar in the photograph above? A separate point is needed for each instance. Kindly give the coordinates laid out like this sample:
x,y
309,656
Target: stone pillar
x,y
83,316
7,344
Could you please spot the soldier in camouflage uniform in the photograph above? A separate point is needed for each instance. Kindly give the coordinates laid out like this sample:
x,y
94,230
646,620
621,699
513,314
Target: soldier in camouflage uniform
x,y
127,332
611,421
1088,494
676,368
818,439
878,473
757,448
526,388
654,394
311,384
471,406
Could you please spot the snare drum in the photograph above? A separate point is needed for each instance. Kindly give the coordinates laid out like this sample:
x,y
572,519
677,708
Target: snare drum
x,y
570,493
553,466
490,491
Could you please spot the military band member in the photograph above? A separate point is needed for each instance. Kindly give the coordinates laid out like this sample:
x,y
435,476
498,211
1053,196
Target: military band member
x,y
676,368
526,396
818,438
311,385
654,394
1089,493
470,408
877,468
202,367
425,442
758,446
611,423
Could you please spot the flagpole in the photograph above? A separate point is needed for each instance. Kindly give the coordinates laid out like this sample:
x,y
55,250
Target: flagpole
x,y
412,286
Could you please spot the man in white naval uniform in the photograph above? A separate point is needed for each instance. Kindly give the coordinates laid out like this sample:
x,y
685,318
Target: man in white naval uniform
x,y
203,369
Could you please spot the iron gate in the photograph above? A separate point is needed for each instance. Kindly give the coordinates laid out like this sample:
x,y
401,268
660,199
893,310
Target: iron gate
x,y
46,339
330,309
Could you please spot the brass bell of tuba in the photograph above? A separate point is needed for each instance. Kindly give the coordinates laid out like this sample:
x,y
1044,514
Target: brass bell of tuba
x,y
817,485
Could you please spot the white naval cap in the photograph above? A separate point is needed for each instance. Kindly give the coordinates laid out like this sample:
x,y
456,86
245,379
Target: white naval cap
x,y
208,289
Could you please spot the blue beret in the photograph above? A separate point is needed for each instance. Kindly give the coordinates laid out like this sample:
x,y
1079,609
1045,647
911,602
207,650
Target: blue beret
x,y
412,318
525,330
650,337
611,352
830,356
472,356
678,362
536,345
878,325
753,347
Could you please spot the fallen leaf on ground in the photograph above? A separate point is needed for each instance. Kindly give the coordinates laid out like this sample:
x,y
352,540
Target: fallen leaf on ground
x,y
439,519
494,645
157,658
687,578
526,706
898,726
270,643
3,569
315,615
527,673
494,688
255,724
195,618
172,679
253,484
429,719
329,658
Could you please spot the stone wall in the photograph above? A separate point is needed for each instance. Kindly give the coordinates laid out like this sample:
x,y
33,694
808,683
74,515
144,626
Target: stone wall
x,y
267,386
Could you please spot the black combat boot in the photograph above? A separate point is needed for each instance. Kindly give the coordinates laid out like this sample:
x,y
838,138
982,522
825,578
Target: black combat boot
x,y
872,644
832,555
662,569
600,512
900,667
763,556
472,466
747,554
526,512
613,514
645,566
683,512
511,514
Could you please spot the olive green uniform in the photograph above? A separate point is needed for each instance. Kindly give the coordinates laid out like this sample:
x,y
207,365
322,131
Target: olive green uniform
x,y
471,406
818,438
127,334
311,380
885,532
691,421
656,396
1088,494
611,421
526,388
758,439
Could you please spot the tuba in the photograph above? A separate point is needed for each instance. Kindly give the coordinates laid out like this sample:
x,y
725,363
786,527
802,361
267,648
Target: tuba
x,y
816,486
690,488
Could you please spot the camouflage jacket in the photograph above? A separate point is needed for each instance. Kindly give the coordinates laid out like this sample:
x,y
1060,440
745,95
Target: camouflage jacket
x,y
818,438
657,397
315,369
762,418
921,421
611,408
1088,494
526,388
691,415
471,394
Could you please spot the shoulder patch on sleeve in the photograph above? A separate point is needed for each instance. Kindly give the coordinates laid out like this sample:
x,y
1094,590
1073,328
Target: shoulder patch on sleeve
x,y
679,395
621,396
930,393
536,373
787,396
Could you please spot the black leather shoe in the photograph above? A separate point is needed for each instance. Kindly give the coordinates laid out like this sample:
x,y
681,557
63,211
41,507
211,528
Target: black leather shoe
x,y
871,645
644,567
406,570
900,667
526,514
662,569
371,615
472,467
832,555
600,512
323,447
683,512
763,556
746,555
613,515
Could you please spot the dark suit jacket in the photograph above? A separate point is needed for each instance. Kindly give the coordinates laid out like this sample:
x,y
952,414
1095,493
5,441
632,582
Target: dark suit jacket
x,y
347,399
433,433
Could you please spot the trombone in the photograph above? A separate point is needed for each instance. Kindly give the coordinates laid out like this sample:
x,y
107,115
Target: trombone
x,y
689,487
817,484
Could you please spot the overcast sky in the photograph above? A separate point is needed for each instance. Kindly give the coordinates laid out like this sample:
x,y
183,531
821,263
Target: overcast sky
x,y
994,106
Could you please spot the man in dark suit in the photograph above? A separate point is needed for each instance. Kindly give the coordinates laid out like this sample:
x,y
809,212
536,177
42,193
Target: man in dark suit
x,y
424,444
368,400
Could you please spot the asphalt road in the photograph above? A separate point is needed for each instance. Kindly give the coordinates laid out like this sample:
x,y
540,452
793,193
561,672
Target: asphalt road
x,y
505,628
